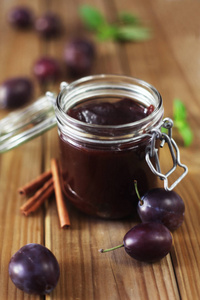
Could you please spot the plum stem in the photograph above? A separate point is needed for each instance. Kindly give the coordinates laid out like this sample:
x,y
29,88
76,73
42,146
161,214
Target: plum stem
x,y
111,249
137,192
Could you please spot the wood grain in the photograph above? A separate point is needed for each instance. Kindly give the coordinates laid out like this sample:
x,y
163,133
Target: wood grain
x,y
169,61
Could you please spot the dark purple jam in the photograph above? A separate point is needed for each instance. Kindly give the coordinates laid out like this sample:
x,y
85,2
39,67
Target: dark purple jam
x,y
100,180
110,113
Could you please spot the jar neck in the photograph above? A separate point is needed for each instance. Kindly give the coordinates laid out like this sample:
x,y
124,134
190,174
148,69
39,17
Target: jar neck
x,y
106,86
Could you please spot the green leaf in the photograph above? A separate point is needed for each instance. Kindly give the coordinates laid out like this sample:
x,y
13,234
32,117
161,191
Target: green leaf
x,y
130,33
164,130
106,32
186,133
179,111
180,122
128,18
92,18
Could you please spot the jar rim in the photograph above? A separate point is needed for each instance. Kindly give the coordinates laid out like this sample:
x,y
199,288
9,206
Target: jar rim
x,y
78,89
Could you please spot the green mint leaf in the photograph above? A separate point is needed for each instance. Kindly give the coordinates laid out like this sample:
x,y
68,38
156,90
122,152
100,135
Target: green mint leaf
x,y
179,111
186,133
180,122
164,130
128,18
92,18
106,32
130,33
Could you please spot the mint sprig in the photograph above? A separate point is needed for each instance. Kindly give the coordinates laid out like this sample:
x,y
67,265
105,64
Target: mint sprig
x,y
128,27
130,33
129,19
181,123
92,18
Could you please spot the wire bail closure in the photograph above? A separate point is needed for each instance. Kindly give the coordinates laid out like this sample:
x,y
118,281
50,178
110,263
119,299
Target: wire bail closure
x,y
152,153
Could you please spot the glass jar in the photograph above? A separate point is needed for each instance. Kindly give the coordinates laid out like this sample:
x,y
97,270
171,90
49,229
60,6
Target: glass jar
x,y
99,162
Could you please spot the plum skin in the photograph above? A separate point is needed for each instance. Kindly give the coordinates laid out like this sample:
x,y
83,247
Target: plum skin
x,y
79,54
48,25
34,269
163,206
20,17
47,69
15,92
148,242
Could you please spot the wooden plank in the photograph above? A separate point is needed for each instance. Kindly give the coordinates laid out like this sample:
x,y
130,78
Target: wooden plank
x,y
84,271
186,248
17,230
183,47
173,70
18,50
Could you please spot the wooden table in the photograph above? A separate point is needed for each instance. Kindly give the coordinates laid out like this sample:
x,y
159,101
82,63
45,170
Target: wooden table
x,y
171,62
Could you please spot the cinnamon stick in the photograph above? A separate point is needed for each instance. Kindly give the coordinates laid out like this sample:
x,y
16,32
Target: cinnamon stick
x,y
61,207
33,203
36,183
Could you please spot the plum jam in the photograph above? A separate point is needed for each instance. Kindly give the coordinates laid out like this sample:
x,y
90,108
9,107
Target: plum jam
x,y
110,112
105,124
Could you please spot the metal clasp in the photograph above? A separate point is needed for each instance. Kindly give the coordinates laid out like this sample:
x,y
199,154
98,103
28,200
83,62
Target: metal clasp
x,y
152,153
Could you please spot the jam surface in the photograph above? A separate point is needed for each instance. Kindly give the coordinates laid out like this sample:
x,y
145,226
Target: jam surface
x,y
99,181
110,113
